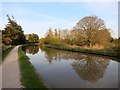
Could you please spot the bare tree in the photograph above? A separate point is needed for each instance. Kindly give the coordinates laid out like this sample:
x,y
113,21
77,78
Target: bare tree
x,y
88,26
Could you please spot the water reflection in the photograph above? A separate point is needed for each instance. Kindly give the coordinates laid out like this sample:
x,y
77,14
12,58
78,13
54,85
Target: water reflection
x,y
75,69
88,67
31,49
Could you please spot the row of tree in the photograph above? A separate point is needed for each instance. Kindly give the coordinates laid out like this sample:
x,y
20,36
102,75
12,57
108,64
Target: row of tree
x,y
89,31
13,34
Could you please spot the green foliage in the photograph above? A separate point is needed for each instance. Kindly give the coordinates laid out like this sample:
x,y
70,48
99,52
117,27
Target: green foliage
x,y
51,37
51,40
0,57
6,52
14,32
29,77
32,38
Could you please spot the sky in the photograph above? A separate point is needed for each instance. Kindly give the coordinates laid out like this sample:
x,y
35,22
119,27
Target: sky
x,y
38,17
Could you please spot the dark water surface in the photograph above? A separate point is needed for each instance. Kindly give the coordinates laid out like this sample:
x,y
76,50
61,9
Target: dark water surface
x,y
67,69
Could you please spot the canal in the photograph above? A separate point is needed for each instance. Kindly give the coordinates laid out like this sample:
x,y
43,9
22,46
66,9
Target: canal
x,y
67,69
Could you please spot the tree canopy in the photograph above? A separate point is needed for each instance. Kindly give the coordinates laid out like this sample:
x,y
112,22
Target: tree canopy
x,y
32,38
93,30
13,31
89,31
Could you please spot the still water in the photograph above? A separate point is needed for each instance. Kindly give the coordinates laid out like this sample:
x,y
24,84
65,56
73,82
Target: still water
x,y
67,69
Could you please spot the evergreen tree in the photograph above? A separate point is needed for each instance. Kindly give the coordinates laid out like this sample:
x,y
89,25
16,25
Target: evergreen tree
x,y
13,31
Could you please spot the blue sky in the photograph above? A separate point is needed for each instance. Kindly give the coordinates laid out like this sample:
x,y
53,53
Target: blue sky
x,y
37,17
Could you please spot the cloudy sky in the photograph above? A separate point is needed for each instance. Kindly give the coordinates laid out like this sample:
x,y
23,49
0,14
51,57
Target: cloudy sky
x,y
37,16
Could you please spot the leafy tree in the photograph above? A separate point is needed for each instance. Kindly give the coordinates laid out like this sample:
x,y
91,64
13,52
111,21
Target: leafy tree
x,y
14,32
32,38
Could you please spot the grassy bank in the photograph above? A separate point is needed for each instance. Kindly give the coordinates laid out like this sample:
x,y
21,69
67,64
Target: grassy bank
x,y
0,57
113,52
29,77
6,52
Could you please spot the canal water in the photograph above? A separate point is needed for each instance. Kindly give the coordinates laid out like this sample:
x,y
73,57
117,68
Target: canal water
x,y
67,69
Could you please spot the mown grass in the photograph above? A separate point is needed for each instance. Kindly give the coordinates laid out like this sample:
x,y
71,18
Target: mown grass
x,y
6,52
29,77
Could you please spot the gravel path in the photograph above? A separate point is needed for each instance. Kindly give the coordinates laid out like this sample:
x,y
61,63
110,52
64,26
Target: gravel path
x,y
11,71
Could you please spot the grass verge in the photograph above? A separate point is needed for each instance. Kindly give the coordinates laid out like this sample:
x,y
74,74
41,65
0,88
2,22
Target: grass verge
x,y
6,52
0,57
29,77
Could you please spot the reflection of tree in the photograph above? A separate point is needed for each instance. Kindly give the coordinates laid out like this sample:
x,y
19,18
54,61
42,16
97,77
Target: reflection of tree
x,y
50,54
88,67
54,54
32,49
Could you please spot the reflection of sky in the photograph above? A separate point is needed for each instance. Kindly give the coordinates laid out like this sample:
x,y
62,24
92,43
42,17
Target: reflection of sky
x,y
38,17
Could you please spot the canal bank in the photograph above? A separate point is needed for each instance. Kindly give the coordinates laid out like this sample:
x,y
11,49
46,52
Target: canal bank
x,y
29,76
112,52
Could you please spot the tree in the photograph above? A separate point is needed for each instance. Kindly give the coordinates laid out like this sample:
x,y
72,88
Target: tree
x,y
49,33
88,27
36,38
103,38
65,36
14,32
52,37
32,38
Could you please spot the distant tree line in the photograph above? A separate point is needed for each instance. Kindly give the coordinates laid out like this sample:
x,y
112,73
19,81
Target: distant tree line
x,y
89,31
